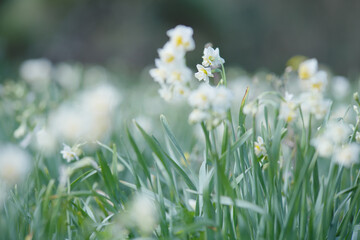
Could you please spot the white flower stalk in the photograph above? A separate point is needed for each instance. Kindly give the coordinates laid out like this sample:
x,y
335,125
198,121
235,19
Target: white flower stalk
x,y
318,82
37,72
181,38
259,147
347,155
308,68
143,213
203,73
210,104
212,57
68,153
288,108
14,164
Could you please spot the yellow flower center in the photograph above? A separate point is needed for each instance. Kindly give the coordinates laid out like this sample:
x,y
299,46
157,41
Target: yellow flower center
x,y
304,73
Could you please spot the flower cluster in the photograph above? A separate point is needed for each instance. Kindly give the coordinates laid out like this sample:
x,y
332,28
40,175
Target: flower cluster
x,y
334,142
211,60
311,100
171,71
88,118
210,104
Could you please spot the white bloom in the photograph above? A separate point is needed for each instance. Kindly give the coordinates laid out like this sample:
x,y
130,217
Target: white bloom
x,y
347,155
202,97
203,73
14,164
341,87
45,141
222,99
166,93
259,147
180,75
180,91
68,153
102,99
143,213
170,55
324,146
251,108
36,72
308,68
159,73
318,82
212,57
198,116
181,37
67,76
288,108
337,131
314,103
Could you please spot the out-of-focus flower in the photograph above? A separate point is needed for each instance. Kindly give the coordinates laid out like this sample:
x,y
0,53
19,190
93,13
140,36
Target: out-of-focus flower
x,y
340,87
210,104
259,147
314,103
143,213
68,76
37,72
203,73
45,141
288,108
212,57
181,37
68,153
337,131
170,55
347,155
251,108
308,68
14,164
324,146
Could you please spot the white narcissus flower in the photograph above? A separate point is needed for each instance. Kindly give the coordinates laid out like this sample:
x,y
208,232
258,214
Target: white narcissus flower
x,y
68,153
288,108
14,164
338,132
170,55
308,68
251,108
318,82
212,57
180,91
166,93
203,73
36,72
181,37
314,103
222,99
68,76
259,147
143,213
159,73
179,75
198,116
324,146
202,97
347,155
340,87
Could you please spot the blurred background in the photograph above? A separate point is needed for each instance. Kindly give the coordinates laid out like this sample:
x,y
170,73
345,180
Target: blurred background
x,y
124,35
